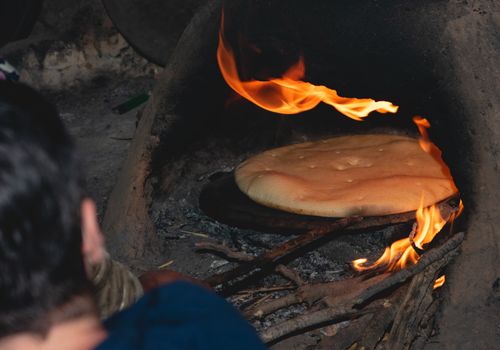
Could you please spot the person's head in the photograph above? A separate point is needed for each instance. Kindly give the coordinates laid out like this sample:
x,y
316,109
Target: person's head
x,y
43,215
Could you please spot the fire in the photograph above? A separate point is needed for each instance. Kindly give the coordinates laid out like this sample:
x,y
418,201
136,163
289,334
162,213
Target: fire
x,y
424,141
439,282
429,222
289,94
429,147
402,252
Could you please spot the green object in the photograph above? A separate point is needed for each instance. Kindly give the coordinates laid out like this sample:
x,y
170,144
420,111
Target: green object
x,y
131,104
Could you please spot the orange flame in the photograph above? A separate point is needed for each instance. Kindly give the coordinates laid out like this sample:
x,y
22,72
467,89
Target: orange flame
x,y
439,282
429,221
288,94
402,252
424,141
429,147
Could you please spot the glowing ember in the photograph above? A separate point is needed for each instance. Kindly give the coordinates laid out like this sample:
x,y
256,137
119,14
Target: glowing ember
x,y
439,282
289,94
429,222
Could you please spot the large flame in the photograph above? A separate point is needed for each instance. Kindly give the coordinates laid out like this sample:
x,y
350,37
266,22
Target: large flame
x,y
289,94
429,221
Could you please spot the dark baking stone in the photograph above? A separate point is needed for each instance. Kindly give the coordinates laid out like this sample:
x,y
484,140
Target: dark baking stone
x,y
222,200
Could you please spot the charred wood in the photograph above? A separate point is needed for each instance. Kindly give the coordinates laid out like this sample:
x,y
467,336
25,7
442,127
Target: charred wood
x,y
290,247
347,336
413,308
224,250
352,305
325,316
444,254
290,274
311,293
239,256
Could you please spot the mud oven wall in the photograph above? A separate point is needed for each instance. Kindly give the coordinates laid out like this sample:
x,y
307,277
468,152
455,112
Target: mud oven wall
x,y
439,59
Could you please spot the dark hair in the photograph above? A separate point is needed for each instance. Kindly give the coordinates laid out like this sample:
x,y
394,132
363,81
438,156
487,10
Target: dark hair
x,y
41,264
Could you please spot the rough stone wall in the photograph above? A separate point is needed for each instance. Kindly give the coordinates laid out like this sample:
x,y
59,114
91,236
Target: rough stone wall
x,y
469,317
72,43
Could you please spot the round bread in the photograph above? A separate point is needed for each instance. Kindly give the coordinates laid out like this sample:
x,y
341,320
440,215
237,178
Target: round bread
x,y
367,175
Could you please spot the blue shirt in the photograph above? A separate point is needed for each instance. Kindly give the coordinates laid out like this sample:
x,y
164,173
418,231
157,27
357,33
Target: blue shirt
x,y
183,316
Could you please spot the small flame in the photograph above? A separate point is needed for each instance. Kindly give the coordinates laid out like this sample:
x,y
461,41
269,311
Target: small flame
x,y
289,94
424,141
402,252
428,146
459,211
430,223
429,220
439,282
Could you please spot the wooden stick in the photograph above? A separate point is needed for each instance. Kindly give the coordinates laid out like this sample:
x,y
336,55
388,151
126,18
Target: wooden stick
x,y
290,274
346,337
224,250
433,260
413,308
310,293
378,325
327,315
367,330
267,290
285,271
280,251
428,258
426,326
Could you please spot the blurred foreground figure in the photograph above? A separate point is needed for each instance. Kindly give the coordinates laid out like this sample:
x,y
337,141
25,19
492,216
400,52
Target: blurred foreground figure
x,y
50,242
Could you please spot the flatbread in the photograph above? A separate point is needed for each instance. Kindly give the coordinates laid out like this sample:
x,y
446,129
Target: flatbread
x,y
367,175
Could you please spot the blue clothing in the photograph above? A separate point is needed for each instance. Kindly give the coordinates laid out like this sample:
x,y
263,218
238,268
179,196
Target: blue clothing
x,y
179,316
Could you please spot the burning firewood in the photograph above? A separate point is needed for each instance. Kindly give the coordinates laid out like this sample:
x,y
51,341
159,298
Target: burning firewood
x,y
350,299
299,245
425,271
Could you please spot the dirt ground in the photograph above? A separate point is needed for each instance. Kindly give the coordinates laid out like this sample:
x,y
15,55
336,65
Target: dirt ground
x,y
102,136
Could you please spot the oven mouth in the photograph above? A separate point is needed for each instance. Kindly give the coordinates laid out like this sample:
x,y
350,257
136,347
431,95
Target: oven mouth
x,y
206,133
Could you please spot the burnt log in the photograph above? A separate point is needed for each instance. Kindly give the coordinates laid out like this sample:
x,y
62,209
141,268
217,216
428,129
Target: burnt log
x,y
273,256
359,300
